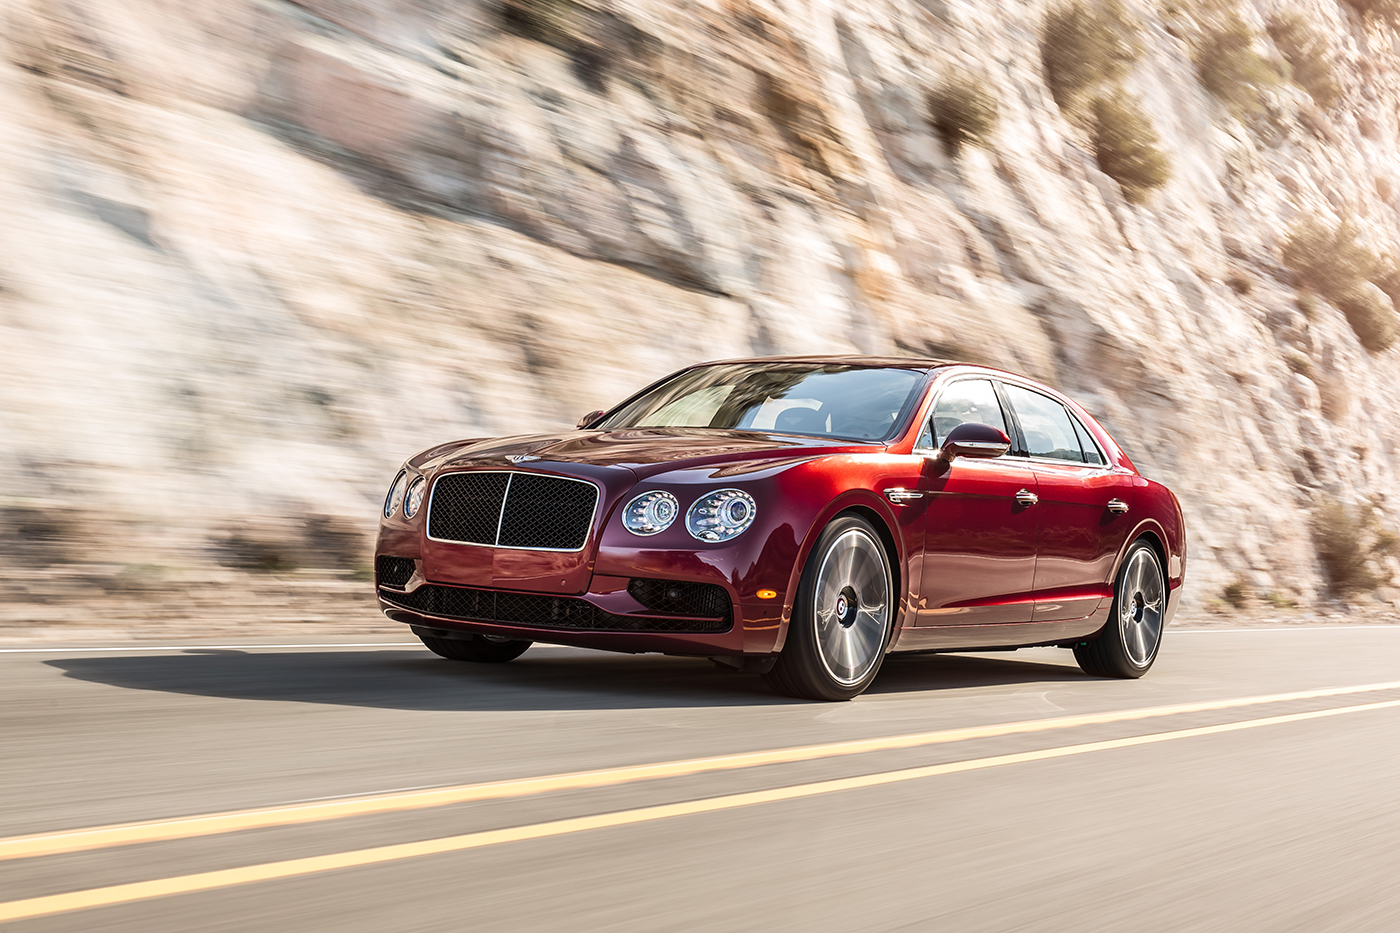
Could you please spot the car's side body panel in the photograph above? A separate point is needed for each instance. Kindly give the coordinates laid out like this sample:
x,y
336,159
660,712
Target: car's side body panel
x,y
1081,537
980,545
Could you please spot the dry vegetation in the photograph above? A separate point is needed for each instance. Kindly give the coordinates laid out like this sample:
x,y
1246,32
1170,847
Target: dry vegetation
x,y
963,112
1230,64
1351,544
1086,46
1312,64
1378,11
1332,261
1126,146
1088,49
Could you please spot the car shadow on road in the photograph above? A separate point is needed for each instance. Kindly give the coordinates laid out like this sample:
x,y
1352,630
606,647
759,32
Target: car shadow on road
x,y
542,679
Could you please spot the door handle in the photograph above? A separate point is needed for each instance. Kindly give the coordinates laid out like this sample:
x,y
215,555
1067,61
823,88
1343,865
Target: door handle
x,y
1026,498
1117,506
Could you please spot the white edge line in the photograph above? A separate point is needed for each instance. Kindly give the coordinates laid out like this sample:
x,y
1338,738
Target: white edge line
x,y
367,644
1300,627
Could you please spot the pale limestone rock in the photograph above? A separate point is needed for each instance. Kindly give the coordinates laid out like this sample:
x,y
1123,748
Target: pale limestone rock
x,y
255,252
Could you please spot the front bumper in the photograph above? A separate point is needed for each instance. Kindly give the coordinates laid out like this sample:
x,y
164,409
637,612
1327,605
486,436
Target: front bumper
x,y
615,614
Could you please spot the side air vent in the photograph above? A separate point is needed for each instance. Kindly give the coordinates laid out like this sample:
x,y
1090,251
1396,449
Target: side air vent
x,y
682,599
394,571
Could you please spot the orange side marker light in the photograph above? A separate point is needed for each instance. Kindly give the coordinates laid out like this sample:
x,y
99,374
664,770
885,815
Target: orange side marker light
x,y
767,594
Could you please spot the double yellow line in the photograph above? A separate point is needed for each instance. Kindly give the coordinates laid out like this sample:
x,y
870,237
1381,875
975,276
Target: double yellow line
x,y
235,821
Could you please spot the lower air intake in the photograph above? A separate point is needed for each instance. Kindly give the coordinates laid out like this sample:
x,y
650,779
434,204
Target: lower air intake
x,y
539,611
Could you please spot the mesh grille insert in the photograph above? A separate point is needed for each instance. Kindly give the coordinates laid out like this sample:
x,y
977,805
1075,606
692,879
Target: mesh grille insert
x,y
466,507
394,571
539,611
546,512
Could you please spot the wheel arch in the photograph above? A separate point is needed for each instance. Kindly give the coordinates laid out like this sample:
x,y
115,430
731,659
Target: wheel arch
x,y
888,541
1155,539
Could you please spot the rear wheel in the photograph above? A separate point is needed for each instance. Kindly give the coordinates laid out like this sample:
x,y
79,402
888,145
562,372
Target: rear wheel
x,y
1128,644
483,649
841,619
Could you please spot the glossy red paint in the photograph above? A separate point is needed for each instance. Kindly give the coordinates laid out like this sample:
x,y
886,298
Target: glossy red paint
x,y
974,566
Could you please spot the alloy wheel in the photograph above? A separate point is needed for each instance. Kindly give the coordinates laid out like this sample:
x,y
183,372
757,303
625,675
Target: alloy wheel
x,y
851,606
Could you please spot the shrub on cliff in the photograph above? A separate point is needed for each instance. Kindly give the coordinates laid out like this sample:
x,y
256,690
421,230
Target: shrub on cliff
x,y
1313,66
963,112
1372,316
1350,542
1125,146
1085,45
1231,67
1328,259
1332,261
1384,11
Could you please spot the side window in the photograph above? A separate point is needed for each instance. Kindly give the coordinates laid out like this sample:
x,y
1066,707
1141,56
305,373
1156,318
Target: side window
x,y
1087,444
1048,428
961,402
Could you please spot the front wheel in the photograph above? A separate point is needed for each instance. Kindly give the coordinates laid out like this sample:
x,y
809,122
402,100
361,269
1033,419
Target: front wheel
x,y
484,649
841,618
1128,644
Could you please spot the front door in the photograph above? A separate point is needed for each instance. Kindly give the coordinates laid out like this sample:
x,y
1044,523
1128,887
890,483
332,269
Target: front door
x,y
980,538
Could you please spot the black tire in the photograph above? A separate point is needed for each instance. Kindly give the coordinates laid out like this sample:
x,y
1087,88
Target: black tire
x,y
477,648
1129,643
841,609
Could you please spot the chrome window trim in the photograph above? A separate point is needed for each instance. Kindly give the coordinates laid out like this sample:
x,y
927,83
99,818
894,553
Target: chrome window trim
x,y
592,522
1079,423
933,403
1011,379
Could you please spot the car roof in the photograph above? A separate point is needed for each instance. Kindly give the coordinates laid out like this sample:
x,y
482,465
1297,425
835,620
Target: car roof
x,y
902,362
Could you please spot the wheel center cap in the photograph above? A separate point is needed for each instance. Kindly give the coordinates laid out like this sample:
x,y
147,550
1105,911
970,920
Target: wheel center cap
x,y
1138,605
846,606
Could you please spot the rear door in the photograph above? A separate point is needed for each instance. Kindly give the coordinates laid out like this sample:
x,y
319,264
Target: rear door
x,y
979,540
1083,506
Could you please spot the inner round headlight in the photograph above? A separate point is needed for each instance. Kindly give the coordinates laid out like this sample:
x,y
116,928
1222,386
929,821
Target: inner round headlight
x,y
651,512
721,515
413,500
391,501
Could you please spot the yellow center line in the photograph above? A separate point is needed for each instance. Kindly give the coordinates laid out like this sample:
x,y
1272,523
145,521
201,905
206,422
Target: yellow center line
x,y
229,877
98,837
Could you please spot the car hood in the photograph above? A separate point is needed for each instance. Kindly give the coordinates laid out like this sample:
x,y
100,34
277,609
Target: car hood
x,y
644,451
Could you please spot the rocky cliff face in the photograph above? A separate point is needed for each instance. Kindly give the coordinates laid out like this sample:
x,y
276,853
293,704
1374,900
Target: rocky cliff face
x,y
257,251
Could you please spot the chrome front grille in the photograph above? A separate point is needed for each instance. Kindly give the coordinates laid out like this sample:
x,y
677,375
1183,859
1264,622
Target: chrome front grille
x,y
497,508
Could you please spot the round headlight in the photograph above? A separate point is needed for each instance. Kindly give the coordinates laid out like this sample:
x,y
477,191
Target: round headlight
x,y
413,499
721,515
651,513
391,501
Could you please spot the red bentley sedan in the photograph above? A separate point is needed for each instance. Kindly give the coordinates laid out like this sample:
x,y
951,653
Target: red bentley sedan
x,y
796,517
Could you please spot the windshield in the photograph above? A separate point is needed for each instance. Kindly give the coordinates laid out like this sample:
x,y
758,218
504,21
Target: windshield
x,y
848,402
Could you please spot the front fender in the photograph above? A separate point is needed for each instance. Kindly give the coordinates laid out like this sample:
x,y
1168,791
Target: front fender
x,y
870,503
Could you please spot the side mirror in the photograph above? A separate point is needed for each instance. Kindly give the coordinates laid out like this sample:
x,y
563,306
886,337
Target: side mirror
x,y
591,417
971,439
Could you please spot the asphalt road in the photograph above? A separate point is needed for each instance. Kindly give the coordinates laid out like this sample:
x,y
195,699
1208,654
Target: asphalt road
x,y
988,792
